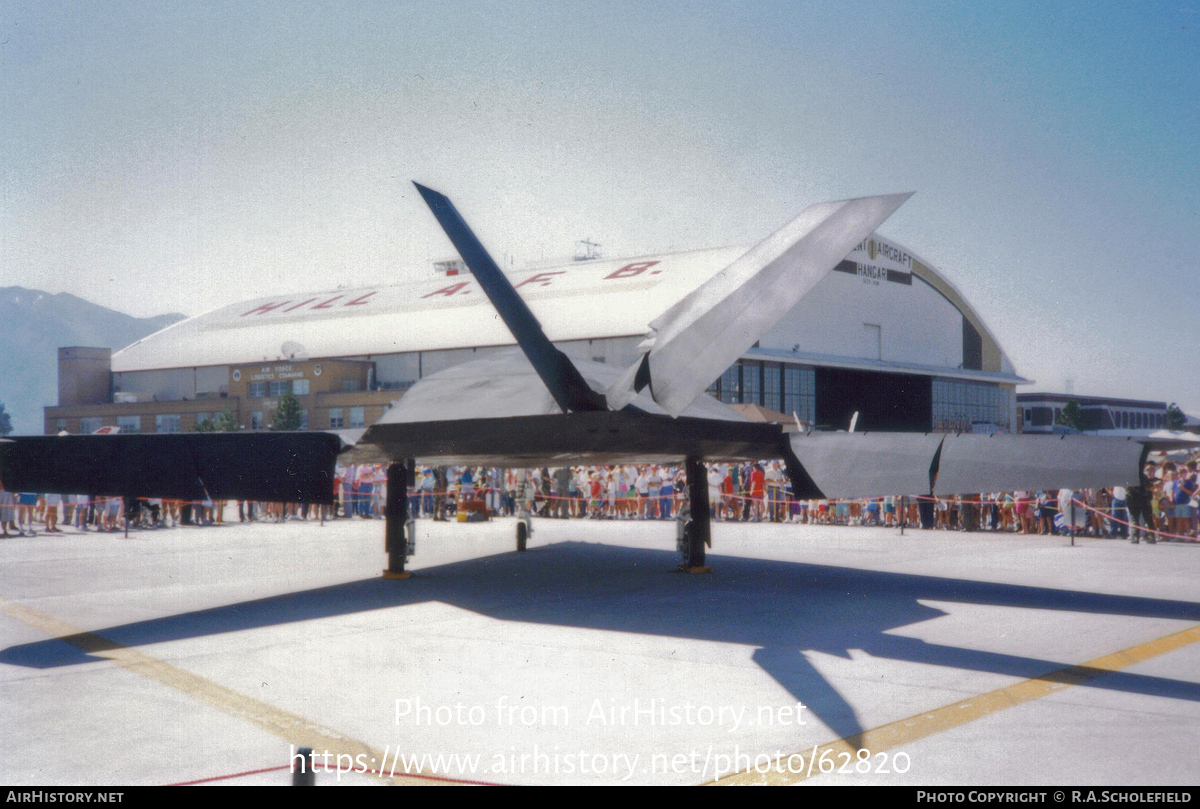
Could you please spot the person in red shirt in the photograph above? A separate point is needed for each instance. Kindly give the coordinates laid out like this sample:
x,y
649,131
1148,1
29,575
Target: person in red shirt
x,y
596,492
757,485
730,503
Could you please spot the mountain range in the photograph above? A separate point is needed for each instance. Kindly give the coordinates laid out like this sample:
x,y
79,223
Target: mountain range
x,y
35,325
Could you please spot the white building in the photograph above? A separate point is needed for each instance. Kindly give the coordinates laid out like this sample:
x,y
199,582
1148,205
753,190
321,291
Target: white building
x,y
884,334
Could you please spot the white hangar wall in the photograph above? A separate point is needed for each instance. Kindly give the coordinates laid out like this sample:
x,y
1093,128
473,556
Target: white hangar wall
x,y
912,324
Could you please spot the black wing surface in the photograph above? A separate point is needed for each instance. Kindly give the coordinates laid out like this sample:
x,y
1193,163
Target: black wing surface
x,y
273,467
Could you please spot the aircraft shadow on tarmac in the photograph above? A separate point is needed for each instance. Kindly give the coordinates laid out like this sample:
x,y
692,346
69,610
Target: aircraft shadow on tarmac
x,y
782,608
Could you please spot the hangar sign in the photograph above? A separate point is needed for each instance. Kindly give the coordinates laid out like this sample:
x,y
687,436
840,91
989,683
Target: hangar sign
x,y
876,260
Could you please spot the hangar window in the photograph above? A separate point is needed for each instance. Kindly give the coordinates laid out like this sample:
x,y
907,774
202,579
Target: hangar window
x,y
278,388
258,389
773,386
89,424
731,385
166,423
957,403
799,392
256,420
337,419
299,387
356,417
752,383
130,424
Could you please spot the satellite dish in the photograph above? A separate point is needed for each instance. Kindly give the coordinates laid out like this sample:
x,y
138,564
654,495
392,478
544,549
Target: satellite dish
x,y
293,351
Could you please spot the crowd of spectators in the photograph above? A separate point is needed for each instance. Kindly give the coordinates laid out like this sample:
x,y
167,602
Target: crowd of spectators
x,y
1167,502
1165,505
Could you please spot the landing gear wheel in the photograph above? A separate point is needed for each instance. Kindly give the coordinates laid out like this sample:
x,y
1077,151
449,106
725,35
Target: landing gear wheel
x,y
522,535
683,540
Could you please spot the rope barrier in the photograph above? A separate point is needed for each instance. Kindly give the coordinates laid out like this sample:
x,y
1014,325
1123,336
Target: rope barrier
x,y
1182,537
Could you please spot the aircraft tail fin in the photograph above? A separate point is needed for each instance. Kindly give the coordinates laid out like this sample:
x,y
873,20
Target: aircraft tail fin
x,y
560,376
704,333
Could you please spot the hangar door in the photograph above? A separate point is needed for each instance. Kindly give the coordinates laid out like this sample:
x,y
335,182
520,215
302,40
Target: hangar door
x,y
891,402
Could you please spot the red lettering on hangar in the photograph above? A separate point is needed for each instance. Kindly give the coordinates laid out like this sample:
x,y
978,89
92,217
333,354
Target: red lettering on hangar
x,y
451,290
542,279
329,303
631,270
266,307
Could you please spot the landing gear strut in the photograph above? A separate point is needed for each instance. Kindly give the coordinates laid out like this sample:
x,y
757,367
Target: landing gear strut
x,y
696,530
399,531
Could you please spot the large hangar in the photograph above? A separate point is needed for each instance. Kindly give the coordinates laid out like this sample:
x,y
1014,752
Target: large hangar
x,y
884,335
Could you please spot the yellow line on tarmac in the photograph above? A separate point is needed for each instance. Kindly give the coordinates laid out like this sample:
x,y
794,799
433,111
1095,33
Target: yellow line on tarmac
x,y
906,731
295,729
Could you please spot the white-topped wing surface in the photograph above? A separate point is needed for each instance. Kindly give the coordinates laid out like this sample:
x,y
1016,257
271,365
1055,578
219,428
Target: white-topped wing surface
x,y
997,463
850,465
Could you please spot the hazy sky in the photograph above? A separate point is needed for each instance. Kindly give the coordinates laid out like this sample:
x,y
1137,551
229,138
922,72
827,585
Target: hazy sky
x,y
162,156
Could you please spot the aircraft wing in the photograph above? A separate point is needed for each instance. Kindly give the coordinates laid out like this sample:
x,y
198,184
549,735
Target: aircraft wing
x,y
273,467
849,465
708,330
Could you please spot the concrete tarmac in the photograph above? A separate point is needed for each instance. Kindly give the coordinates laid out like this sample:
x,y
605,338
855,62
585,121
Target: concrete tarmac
x,y
819,655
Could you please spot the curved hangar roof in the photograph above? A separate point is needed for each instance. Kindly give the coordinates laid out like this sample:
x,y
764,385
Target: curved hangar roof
x,y
573,301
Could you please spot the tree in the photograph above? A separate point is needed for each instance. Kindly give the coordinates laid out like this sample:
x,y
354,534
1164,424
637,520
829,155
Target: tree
x,y
1175,417
287,413
227,421
1071,416
5,421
